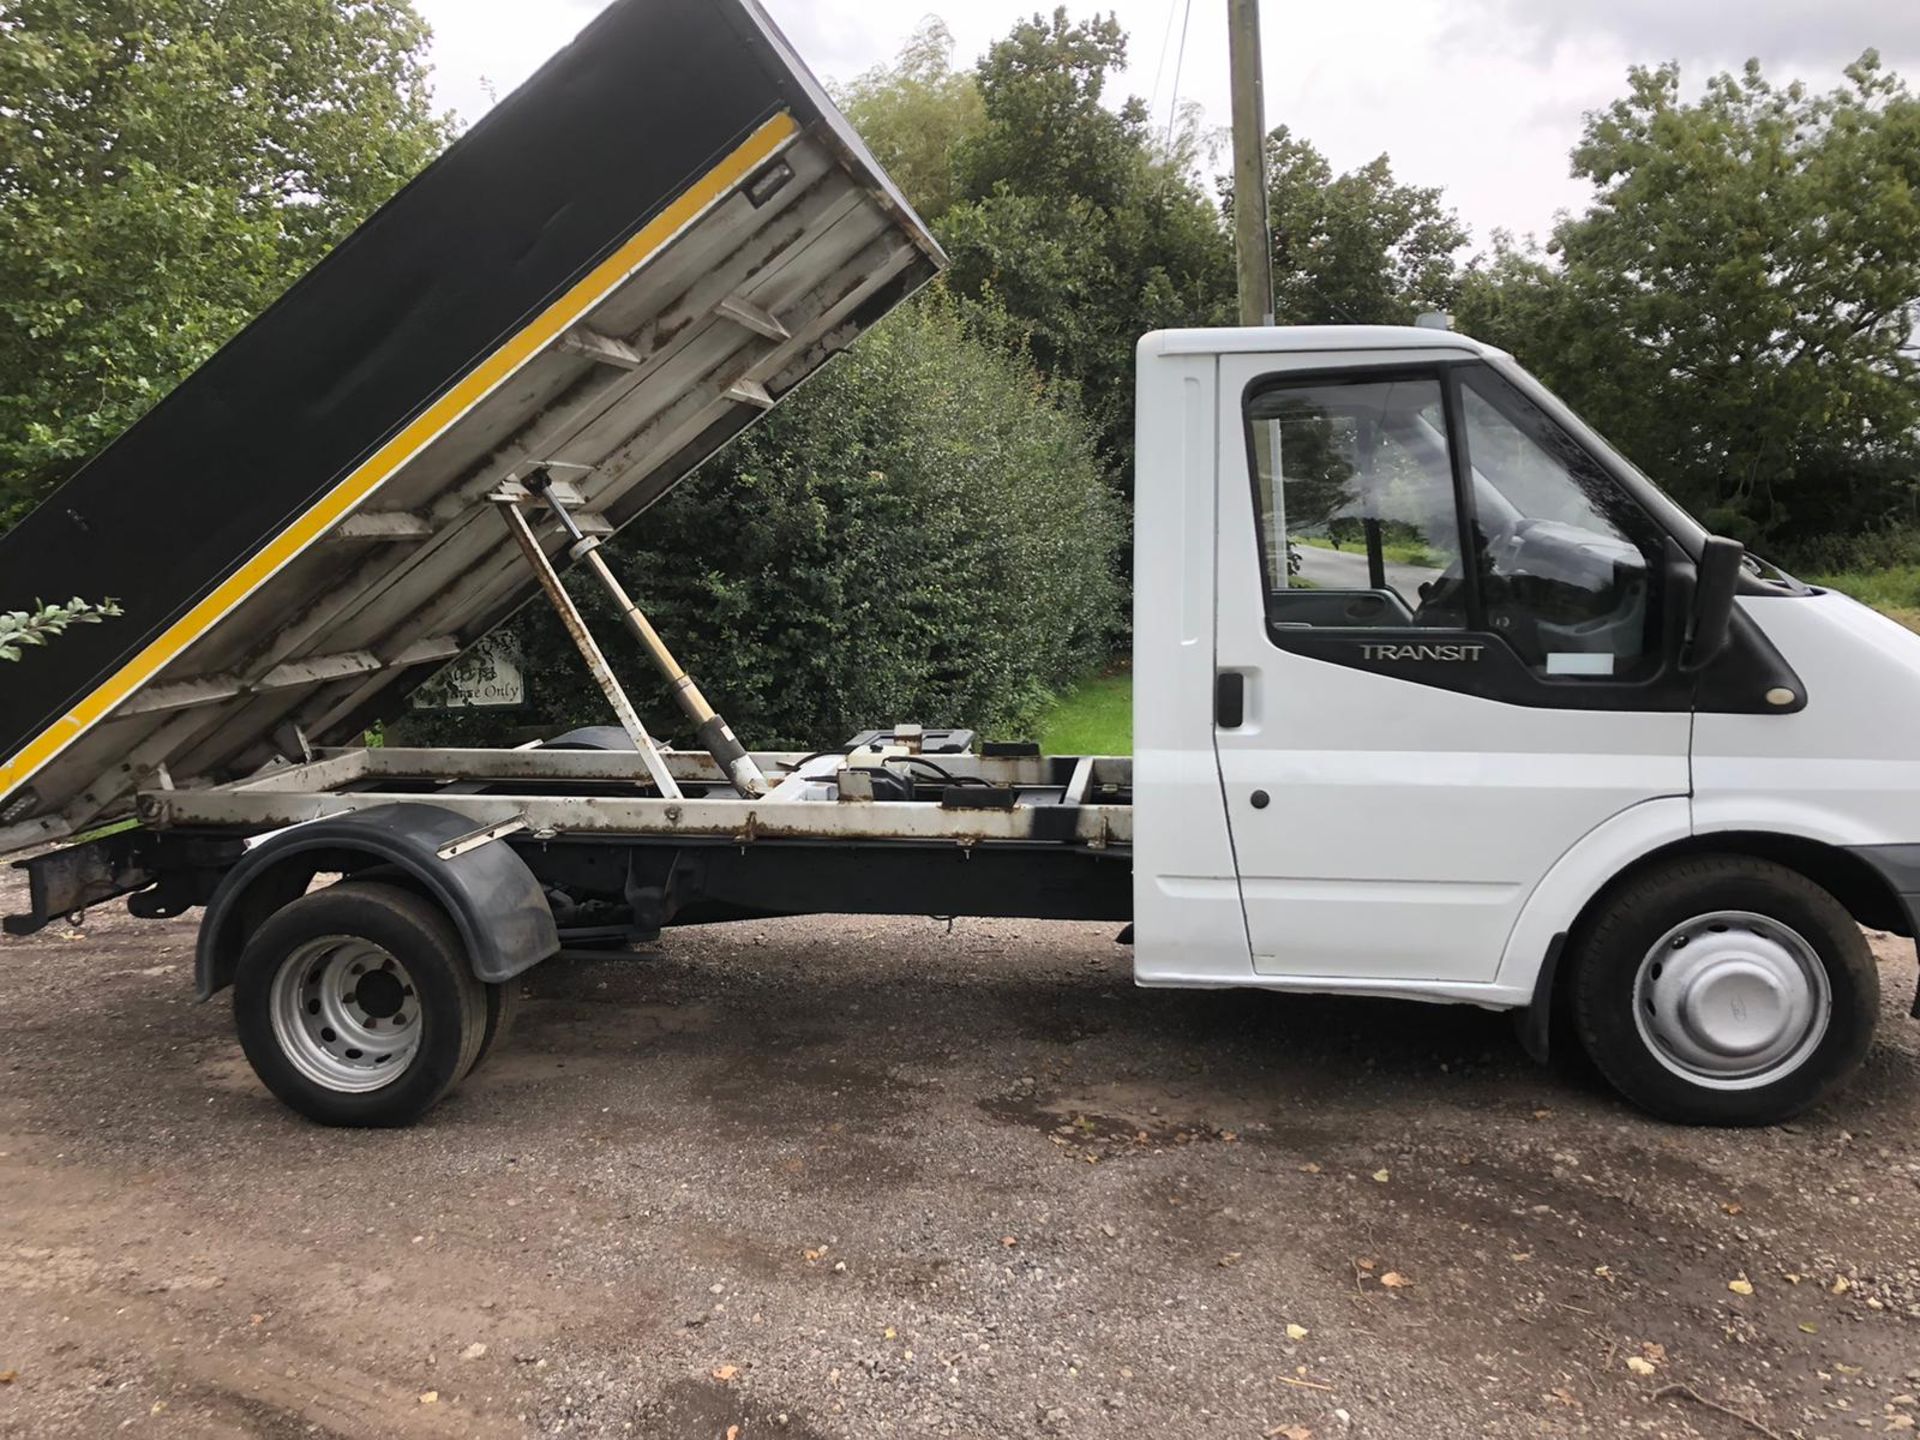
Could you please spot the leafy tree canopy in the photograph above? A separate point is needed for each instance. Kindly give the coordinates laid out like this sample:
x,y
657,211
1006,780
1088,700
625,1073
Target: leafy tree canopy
x,y
167,168
1737,309
916,114
1072,219
1086,230
1047,132
1355,249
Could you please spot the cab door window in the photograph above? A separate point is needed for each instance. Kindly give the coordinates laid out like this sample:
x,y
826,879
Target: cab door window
x,y
1569,563
1359,521
1370,489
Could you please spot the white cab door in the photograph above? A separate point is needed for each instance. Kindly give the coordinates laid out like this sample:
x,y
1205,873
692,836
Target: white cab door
x,y
1419,739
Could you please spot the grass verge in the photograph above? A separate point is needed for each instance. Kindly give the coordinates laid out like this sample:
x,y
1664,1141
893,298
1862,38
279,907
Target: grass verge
x,y
1094,719
1894,591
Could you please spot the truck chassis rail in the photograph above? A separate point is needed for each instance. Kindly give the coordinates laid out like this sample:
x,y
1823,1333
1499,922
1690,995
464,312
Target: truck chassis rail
x,y
1044,837
554,793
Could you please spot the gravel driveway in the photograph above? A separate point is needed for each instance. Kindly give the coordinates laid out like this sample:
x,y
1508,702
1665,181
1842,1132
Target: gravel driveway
x,y
859,1178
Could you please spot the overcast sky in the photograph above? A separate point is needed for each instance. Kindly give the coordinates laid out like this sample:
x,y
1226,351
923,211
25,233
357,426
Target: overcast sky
x,y
1482,97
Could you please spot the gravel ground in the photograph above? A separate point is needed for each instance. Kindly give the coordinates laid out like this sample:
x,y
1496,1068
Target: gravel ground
x,y
859,1178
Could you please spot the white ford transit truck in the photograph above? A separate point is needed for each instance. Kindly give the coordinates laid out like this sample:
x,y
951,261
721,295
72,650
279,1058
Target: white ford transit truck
x,y
1437,697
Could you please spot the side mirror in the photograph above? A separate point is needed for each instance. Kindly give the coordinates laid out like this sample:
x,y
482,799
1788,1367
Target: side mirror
x,y
1716,582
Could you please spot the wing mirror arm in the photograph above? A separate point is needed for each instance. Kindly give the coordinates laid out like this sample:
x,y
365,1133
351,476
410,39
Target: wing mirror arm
x,y
1716,583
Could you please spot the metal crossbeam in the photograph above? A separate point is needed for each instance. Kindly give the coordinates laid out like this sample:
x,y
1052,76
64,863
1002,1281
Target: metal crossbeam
x,y
602,348
316,670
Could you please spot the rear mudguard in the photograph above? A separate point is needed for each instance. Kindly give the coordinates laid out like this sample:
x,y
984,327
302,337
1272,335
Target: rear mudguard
x,y
489,893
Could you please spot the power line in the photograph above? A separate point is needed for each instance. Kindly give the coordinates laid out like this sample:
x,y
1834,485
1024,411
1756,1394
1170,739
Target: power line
x,y
1173,106
1166,47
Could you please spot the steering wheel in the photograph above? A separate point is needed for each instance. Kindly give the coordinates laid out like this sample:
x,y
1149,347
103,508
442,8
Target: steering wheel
x,y
1443,602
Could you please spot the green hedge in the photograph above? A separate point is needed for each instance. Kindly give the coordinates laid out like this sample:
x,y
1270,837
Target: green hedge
x,y
923,533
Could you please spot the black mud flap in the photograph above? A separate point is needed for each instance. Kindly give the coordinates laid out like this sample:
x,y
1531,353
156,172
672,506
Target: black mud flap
x,y
1535,1023
1899,867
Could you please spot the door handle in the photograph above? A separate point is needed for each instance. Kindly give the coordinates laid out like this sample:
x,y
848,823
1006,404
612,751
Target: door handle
x,y
1230,700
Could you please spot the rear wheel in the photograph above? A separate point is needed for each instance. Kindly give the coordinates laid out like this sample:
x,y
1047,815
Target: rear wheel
x,y
1724,990
357,1007
503,1009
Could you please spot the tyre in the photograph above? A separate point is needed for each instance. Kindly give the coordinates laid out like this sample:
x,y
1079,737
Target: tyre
x,y
1724,990
503,1008
357,1007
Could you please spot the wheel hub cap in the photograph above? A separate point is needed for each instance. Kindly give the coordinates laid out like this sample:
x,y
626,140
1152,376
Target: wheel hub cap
x,y
1732,1000
379,995
345,1013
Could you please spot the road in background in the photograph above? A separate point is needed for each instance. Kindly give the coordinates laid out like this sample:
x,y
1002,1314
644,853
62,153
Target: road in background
x,y
1347,570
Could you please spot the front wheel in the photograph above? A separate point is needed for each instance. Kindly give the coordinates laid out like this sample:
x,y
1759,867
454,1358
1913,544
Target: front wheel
x,y
1724,990
357,1007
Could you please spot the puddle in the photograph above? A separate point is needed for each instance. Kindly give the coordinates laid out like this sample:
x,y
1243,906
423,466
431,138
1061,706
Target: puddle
x,y
1096,1134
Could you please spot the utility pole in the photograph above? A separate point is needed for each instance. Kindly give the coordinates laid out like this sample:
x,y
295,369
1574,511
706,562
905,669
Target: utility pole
x,y
1253,234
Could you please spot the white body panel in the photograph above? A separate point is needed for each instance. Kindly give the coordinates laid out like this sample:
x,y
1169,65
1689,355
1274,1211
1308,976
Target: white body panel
x,y
1187,909
1421,841
1843,771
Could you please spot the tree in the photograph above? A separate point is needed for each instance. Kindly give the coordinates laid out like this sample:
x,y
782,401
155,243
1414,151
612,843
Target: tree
x,y
1737,309
1047,132
924,533
167,168
21,629
916,114
1355,249
1075,224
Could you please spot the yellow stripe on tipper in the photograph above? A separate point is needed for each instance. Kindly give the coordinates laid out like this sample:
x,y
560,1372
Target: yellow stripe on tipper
x,y
352,492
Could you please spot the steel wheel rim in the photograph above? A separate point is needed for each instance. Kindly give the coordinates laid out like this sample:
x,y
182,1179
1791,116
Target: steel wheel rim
x,y
1732,1000
345,1014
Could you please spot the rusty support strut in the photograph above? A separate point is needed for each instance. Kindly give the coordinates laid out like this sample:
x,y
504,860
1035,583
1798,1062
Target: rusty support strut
x,y
589,648
714,733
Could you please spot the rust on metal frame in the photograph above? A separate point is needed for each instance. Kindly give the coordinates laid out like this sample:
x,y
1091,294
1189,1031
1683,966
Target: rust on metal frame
x,y
589,648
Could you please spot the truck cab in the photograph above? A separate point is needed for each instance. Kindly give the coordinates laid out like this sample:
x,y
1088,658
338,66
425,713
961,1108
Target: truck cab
x,y
1439,697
